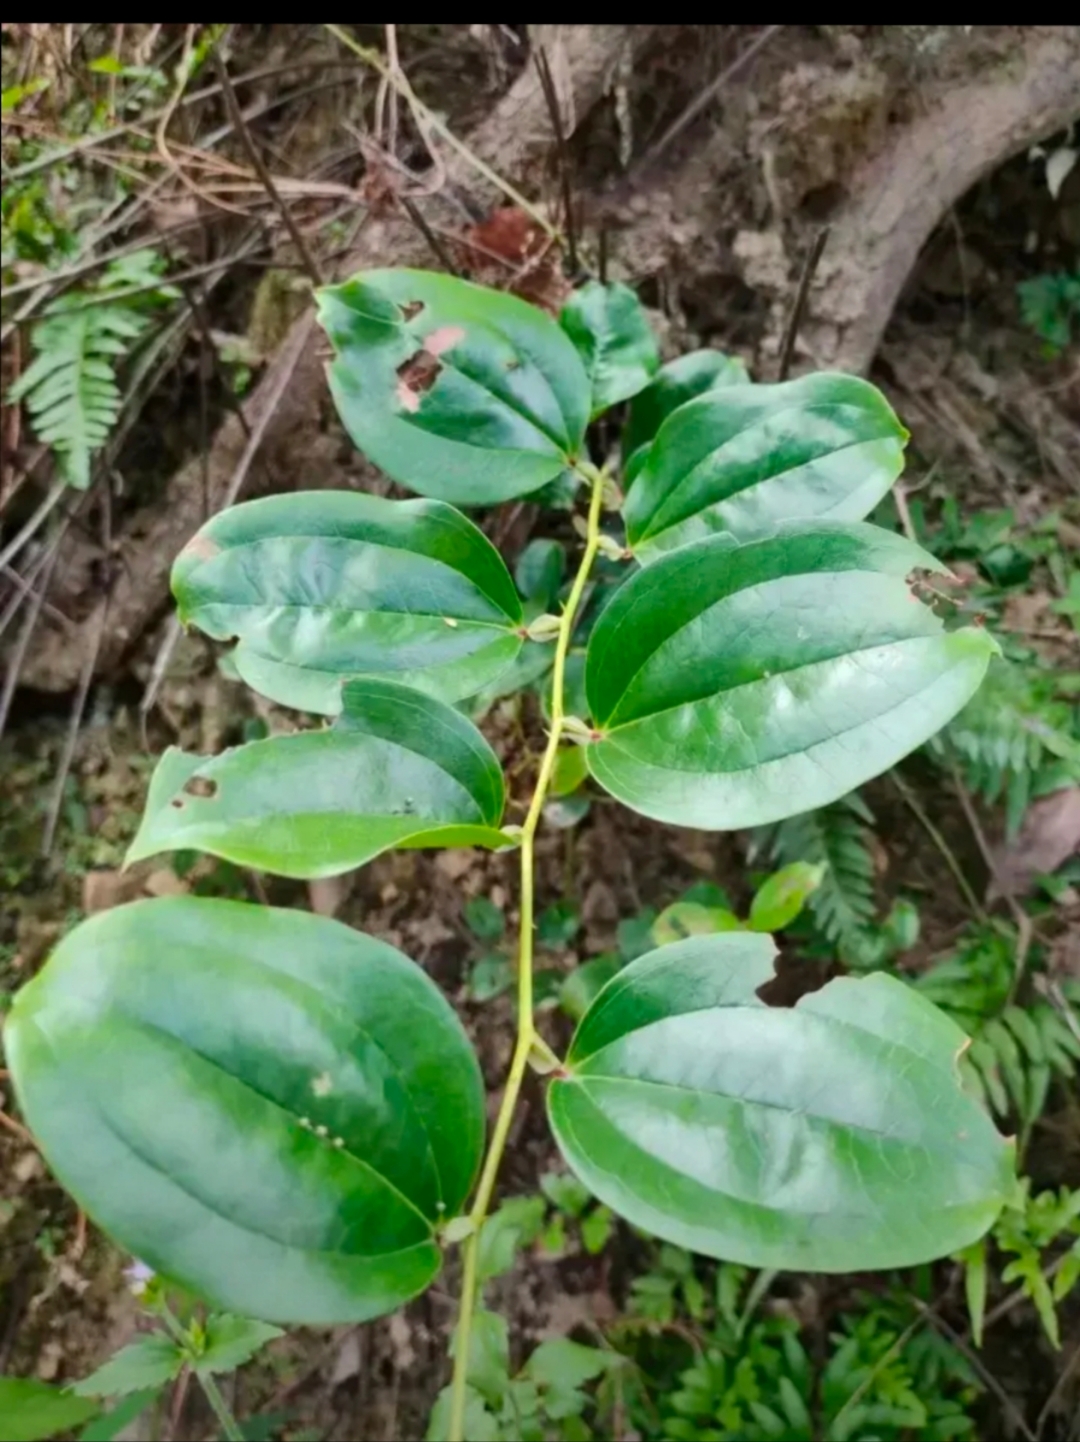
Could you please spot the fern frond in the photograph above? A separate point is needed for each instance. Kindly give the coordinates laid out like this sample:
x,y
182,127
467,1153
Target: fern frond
x,y
1014,728
1016,1051
843,907
70,388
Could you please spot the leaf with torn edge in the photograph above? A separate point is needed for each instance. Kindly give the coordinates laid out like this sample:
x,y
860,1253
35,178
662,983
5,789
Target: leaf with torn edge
x,y
833,1136
397,769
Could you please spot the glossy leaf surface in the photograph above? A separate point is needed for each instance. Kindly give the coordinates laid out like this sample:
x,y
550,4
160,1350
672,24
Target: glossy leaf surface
x,y
397,769
745,458
679,381
736,685
265,1106
612,335
832,1136
459,392
319,587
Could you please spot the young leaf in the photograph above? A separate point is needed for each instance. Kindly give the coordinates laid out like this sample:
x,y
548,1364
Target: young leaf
x,y
149,1361
397,769
780,899
691,918
744,458
733,685
319,587
33,1411
232,1341
296,1106
612,335
679,381
489,1356
832,1136
459,392
585,982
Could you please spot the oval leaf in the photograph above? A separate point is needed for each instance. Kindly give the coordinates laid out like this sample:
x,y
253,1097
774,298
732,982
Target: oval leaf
x,y
780,899
267,1107
735,685
612,334
833,1136
322,586
457,391
397,769
744,458
681,380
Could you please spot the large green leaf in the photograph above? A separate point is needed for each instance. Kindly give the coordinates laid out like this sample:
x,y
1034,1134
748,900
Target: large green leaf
x,y
397,768
735,685
679,381
321,586
32,1411
267,1107
457,391
611,332
743,458
833,1136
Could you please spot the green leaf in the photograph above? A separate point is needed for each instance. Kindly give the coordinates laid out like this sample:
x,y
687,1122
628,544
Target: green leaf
x,y
231,1341
586,982
596,1230
490,977
517,1223
612,335
780,899
149,1361
109,1425
558,924
690,918
459,392
320,587
745,458
561,1367
539,572
734,685
35,1412
565,1192
397,769
681,380
831,1137
267,1107
571,771
483,918
480,1425
489,1356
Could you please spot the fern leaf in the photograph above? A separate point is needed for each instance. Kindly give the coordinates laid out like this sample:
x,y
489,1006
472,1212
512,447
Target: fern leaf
x,y
70,387
1011,731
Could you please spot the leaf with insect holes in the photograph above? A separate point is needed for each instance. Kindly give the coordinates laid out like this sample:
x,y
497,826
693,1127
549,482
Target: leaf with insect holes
x,y
459,392
299,1107
679,381
397,769
833,1136
612,335
320,587
33,1411
734,685
744,458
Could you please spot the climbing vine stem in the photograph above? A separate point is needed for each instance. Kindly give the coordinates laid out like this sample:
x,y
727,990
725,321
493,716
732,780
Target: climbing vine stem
x,y
526,1030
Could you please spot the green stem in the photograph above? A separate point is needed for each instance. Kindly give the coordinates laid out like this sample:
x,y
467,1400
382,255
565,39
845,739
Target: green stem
x,y
229,1426
526,1030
